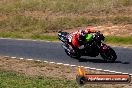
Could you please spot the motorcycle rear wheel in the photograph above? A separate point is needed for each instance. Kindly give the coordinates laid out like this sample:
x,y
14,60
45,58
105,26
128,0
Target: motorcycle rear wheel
x,y
75,55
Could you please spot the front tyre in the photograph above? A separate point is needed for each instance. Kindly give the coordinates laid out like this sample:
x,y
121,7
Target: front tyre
x,y
109,55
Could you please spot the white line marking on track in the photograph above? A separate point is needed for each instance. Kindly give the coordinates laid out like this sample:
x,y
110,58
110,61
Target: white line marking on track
x,y
21,58
73,65
13,57
112,71
130,74
125,73
29,59
59,63
38,60
86,67
92,68
99,69
6,56
80,66
106,70
125,47
66,64
118,72
46,61
52,62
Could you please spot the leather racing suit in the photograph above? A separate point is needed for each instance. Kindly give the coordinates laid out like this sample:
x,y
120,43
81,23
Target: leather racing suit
x,y
75,37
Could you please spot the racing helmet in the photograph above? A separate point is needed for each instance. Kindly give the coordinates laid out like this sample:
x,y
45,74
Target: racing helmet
x,y
89,29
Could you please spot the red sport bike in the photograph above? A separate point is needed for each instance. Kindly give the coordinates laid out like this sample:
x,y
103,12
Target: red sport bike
x,y
93,48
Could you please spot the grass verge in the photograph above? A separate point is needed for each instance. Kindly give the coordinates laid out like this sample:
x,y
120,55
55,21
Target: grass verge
x,y
9,79
24,24
65,6
40,16
15,73
119,40
33,18
13,80
109,39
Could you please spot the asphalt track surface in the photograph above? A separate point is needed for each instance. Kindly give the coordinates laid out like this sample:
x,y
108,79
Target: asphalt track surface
x,y
54,52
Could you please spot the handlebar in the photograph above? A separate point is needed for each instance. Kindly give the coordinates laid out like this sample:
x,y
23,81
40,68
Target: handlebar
x,y
98,36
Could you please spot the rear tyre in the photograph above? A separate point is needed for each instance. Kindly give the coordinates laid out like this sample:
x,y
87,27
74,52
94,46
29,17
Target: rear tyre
x,y
109,55
72,55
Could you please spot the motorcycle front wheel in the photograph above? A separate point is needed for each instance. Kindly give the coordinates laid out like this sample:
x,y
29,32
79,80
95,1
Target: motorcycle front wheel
x,y
109,55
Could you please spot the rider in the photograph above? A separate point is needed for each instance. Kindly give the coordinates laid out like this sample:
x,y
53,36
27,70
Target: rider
x,y
78,37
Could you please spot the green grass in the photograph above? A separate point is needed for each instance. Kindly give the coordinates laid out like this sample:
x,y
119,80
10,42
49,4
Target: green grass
x,y
30,24
23,24
13,80
44,37
121,40
66,6
10,79
36,37
59,15
108,39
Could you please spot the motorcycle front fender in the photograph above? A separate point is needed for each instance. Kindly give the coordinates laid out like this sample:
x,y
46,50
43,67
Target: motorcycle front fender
x,y
104,48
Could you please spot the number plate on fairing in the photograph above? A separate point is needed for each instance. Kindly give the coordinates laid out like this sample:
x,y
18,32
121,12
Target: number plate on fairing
x,y
70,38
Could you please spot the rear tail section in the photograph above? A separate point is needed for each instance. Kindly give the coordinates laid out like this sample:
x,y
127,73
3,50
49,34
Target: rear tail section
x,y
62,36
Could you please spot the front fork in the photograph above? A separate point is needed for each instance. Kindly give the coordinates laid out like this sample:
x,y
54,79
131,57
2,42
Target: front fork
x,y
103,48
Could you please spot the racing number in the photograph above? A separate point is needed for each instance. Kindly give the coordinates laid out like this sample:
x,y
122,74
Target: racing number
x,y
69,38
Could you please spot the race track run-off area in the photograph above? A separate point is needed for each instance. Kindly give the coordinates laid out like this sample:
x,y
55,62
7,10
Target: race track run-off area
x,y
53,52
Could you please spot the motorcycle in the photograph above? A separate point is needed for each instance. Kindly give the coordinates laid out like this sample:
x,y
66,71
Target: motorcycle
x,y
93,48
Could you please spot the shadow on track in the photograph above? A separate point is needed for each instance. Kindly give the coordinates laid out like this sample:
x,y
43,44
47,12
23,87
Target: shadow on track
x,y
99,61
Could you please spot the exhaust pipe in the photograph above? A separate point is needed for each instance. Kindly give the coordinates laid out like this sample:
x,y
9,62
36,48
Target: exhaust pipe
x,y
65,48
